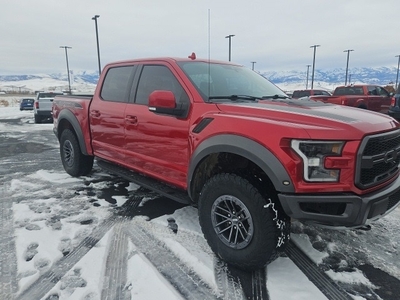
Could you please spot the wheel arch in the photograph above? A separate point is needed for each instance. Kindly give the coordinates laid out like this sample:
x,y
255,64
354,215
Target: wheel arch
x,y
361,103
242,147
67,120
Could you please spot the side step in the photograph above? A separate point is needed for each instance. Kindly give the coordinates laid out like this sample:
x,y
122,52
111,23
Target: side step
x,y
164,189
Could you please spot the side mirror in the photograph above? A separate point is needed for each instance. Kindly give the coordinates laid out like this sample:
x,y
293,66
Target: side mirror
x,y
163,102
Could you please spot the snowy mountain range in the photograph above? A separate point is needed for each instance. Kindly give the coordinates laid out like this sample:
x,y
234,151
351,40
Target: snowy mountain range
x,y
286,80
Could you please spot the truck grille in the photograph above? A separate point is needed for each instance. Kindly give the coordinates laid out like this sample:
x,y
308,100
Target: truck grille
x,y
377,159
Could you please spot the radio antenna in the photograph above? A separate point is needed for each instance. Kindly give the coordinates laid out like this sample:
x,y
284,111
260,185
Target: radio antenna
x,y
209,53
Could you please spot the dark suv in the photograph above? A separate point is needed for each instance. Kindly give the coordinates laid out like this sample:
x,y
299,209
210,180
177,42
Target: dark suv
x,y
394,109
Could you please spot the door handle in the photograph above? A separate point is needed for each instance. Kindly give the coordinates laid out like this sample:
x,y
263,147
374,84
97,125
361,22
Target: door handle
x,y
131,119
95,113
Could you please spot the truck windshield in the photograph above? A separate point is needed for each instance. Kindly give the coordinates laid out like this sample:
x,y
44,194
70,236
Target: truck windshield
x,y
224,82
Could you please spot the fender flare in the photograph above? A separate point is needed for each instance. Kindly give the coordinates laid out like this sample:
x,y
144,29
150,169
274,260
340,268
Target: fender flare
x,y
67,115
361,102
247,148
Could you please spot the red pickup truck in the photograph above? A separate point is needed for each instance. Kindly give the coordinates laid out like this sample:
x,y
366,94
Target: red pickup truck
x,y
370,97
221,137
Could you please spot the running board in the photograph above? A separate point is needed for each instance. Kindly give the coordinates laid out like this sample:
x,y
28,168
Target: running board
x,y
157,186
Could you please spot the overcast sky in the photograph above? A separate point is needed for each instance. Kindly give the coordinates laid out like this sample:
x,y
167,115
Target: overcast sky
x,y
277,35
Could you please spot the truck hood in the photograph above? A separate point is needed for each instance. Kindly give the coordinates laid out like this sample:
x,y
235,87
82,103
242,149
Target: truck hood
x,y
318,119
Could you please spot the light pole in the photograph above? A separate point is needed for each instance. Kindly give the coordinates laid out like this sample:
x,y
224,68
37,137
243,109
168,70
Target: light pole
x,y
97,39
66,57
347,64
313,66
230,44
252,65
397,77
308,71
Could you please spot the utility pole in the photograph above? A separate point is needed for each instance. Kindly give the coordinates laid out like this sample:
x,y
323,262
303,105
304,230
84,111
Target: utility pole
x,y
313,66
308,70
230,45
347,64
252,65
66,57
397,77
97,39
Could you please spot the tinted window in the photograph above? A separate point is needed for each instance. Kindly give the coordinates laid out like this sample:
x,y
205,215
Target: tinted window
x,y
48,95
300,94
372,90
382,92
155,77
349,91
116,84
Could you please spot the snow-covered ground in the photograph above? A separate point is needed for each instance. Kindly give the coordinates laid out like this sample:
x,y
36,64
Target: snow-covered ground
x,y
98,236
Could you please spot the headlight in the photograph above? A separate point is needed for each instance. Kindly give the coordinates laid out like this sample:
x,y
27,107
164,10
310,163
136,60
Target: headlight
x,y
313,154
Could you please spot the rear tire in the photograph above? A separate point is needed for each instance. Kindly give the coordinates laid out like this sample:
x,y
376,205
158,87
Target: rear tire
x,y
75,163
240,225
37,119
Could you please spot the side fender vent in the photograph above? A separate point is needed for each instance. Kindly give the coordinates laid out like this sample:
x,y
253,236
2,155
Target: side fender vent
x,y
203,124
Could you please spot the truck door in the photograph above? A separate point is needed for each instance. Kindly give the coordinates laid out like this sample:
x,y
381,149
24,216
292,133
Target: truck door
x,y
157,144
378,99
107,111
384,100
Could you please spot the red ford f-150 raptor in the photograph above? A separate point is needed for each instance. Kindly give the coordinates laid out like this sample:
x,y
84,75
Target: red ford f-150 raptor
x,y
223,138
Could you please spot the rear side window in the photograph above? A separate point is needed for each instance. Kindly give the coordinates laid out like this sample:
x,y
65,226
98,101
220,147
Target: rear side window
x,y
348,91
300,94
116,83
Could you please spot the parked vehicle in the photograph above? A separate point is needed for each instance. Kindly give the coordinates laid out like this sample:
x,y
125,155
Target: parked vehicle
x,y
26,104
43,104
223,138
307,93
371,97
394,110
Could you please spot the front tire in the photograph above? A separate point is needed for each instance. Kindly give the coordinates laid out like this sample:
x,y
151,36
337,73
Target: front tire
x,y
74,161
240,225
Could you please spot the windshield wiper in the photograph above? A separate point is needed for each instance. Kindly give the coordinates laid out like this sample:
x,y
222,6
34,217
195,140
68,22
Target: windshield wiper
x,y
235,97
276,96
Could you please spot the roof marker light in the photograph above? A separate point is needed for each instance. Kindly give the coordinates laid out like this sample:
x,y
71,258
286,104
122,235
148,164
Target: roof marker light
x,y
192,56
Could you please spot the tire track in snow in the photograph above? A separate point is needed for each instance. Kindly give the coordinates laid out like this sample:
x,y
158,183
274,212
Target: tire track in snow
x,y
181,277
40,287
237,284
114,286
322,281
8,258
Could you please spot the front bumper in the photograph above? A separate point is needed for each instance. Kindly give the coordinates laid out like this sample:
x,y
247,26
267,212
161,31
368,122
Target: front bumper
x,y
355,211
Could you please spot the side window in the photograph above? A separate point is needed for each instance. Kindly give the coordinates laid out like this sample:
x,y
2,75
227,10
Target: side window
x,y
116,83
155,77
372,90
382,92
